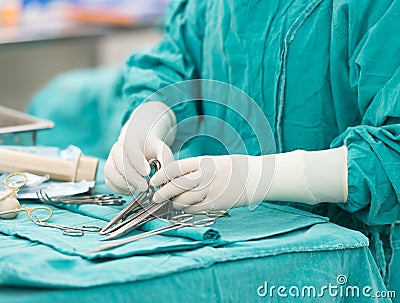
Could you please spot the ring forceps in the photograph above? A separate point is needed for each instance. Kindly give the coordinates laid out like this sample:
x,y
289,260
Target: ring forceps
x,y
178,221
102,199
67,230
141,210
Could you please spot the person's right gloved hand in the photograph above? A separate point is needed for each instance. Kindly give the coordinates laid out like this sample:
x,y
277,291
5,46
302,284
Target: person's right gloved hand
x,y
144,136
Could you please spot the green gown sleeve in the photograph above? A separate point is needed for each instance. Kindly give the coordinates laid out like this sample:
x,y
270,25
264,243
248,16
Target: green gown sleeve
x,y
176,58
370,36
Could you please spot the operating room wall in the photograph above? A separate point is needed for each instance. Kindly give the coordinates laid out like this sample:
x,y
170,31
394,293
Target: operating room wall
x,y
25,67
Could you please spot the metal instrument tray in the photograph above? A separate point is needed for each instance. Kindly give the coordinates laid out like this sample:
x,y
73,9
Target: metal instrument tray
x,y
18,128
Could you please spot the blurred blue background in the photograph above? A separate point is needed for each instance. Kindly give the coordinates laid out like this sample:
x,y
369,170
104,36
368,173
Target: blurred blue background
x,y
41,39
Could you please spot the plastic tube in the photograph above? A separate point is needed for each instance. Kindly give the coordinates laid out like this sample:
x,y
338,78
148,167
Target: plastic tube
x,y
84,168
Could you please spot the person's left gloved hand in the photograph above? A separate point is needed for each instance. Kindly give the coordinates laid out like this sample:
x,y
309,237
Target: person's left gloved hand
x,y
223,182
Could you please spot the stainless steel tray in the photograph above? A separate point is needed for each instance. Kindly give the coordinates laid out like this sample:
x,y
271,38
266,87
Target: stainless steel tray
x,y
20,128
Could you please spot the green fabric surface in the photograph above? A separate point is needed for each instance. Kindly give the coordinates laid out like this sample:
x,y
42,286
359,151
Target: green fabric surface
x,y
38,273
241,225
221,282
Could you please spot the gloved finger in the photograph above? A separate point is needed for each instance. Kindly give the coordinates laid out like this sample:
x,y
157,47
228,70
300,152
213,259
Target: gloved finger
x,y
138,160
116,189
189,198
212,202
173,170
177,186
127,170
122,133
198,207
112,173
133,177
116,178
155,148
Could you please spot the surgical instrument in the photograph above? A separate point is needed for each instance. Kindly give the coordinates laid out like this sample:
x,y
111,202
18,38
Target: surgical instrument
x,y
148,213
139,211
8,200
15,186
211,213
30,212
68,230
178,221
33,212
145,210
101,199
165,211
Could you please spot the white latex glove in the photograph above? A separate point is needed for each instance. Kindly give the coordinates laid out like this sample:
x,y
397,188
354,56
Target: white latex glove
x,y
144,136
223,182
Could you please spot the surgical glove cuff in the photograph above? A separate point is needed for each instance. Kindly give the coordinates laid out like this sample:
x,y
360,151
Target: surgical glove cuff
x,y
310,177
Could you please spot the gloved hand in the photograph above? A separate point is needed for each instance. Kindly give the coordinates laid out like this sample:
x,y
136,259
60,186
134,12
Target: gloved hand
x,y
146,135
223,182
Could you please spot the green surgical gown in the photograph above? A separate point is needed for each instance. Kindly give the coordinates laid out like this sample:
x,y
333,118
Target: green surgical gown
x,y
326,73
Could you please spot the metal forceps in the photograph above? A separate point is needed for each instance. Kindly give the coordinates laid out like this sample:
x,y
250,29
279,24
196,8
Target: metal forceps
x,y
178,221
102,199
32,215
211,213
68,230
139,211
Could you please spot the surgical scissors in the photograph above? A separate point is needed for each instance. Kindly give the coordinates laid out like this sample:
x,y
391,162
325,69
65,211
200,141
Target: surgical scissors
x,y
178,221
14,188
140,210
144,215
29,211
164,211
68,230
145,210
102,199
